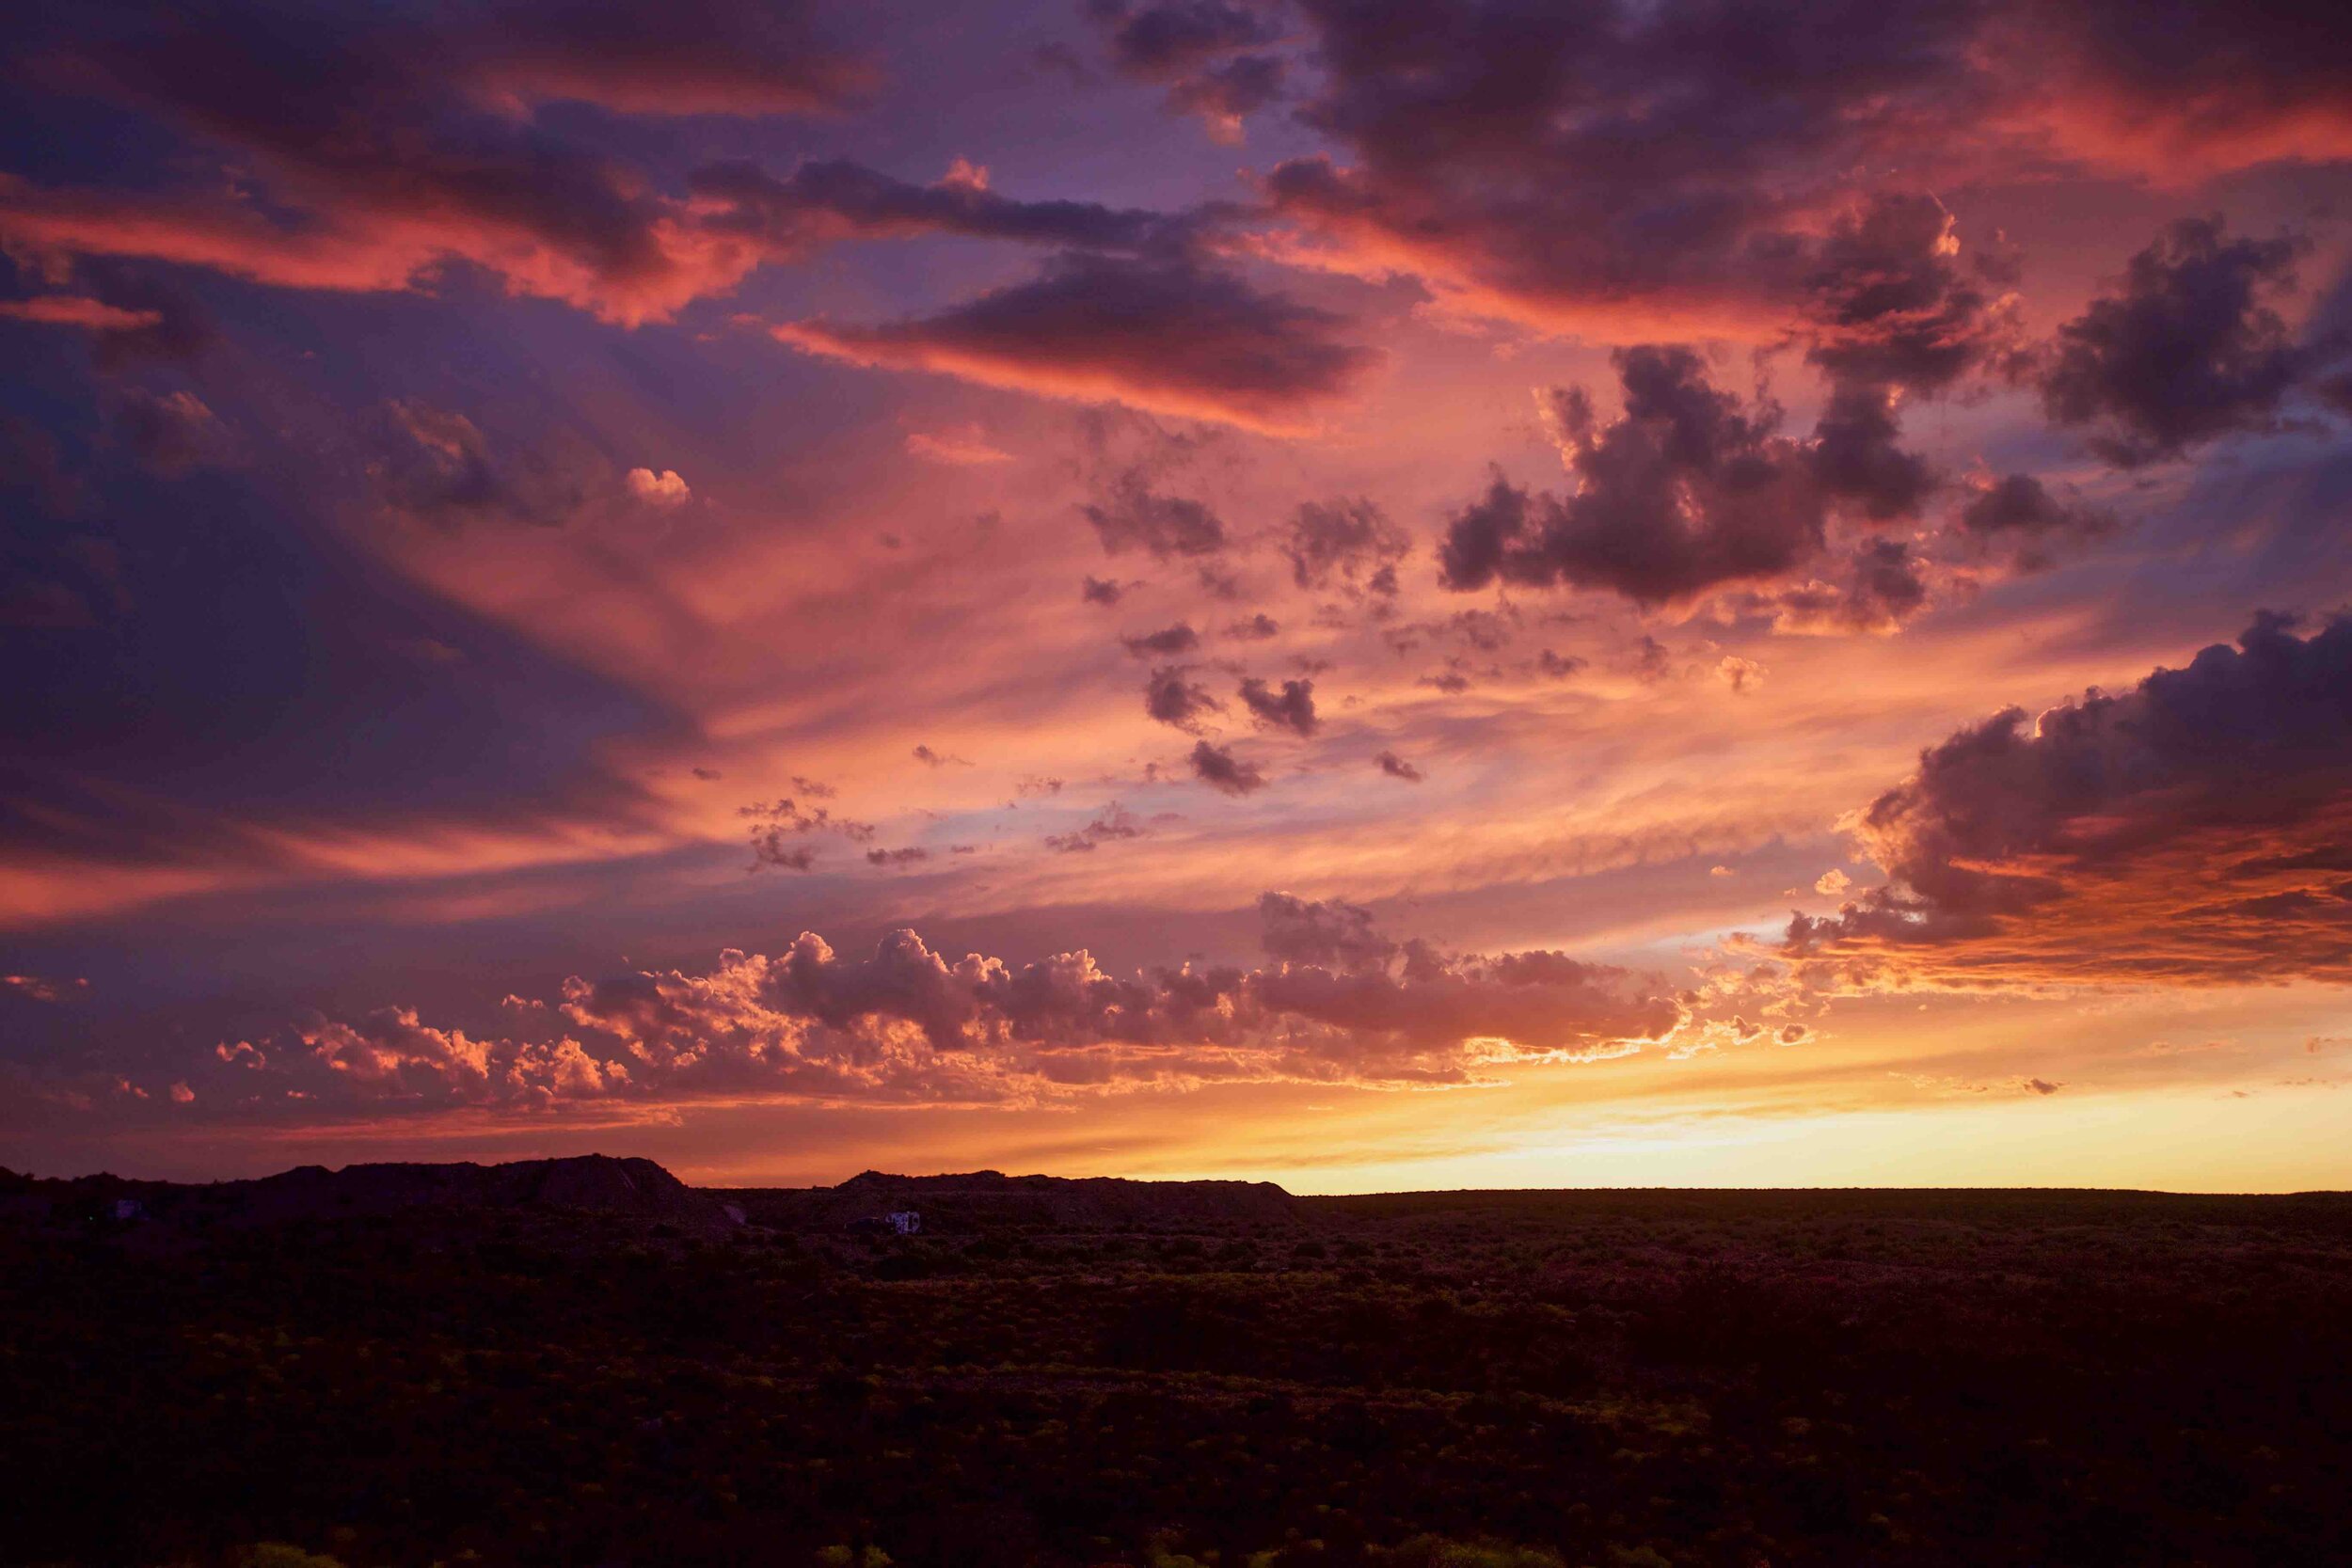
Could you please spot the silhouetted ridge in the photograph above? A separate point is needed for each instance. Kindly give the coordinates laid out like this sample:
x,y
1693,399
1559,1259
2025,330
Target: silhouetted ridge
x,y
591,1184
987,1199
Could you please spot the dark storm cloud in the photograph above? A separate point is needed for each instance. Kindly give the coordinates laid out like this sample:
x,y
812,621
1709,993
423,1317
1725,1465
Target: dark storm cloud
x,y
1130,514
1171,699
1172,336
1217,767
2188,831
1291,709
2189,350
1690,489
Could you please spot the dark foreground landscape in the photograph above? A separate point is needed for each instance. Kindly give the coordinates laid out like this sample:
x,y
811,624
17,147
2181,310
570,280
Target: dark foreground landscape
x,y
584,1362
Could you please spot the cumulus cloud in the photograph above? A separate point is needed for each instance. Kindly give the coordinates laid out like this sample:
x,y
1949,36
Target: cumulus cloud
x,y
2188,832
780,831
1397,768
1742,676
1350,544
662,490
1882,585
1217,767
1338,1001
2190,349
1169,336
1131,515
1173,699
1291,709
1178,639
1113,823
1688,490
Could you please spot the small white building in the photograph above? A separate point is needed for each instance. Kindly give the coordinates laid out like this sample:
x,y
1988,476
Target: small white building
x,y
906,1222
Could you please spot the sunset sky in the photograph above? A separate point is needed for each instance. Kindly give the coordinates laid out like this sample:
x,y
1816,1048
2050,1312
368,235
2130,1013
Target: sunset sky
x,y
1370,596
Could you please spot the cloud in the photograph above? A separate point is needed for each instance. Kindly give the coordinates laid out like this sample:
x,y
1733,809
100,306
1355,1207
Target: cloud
x,y
1171,699
1178,639
1130,514
1332,934
780,830
2020,504
2188,832
1292,708
1347,543
1882,588
1890,303
931,758
1257,628
1113,823
1168,336
2188,351
663,491
1687,491
1102,591
1742,676
1197,47
891,859
1397,768
826,202
1629,171
1217,767
174,432
1339,1003
435,466
958,448
90,316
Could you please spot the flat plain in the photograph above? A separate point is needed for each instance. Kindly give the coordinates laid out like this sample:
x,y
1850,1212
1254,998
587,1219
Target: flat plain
x,y
584,1371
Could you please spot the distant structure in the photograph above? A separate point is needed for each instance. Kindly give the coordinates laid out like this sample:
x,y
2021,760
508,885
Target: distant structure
x,y
898,1222
126,1208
